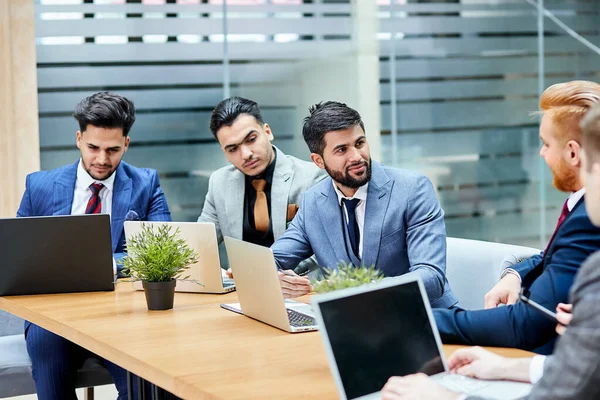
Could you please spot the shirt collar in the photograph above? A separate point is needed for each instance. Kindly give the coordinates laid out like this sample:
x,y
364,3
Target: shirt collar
x,y
360,194
84,180
574,198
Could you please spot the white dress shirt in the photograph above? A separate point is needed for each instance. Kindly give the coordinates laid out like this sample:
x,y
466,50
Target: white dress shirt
x,y
82,192
360,194
536,368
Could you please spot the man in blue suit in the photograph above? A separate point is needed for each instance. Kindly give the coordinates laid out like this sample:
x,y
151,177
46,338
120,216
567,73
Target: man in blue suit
x,y
549,275
364,213
99,182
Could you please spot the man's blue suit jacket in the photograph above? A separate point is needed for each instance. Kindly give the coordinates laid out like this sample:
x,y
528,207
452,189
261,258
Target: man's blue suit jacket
x,y
404,231
548,276
135,189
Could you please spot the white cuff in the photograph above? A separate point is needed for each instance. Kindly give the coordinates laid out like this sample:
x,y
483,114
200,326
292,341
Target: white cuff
x,y
511,271
463,397
536,368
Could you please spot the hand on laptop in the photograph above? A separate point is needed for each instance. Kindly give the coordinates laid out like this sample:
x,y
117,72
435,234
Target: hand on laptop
x,y
482,364
418,387
564,316
293,285
505,292
229,273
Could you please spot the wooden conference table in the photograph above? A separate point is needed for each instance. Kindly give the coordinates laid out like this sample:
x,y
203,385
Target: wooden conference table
x,y
197,350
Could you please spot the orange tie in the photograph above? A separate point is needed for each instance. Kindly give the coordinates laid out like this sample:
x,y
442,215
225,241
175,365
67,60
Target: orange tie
x,y
261,208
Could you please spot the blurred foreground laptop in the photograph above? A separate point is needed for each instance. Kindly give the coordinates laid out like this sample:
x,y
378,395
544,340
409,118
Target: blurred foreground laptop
x,y
377,331
259,291
56,254
201,237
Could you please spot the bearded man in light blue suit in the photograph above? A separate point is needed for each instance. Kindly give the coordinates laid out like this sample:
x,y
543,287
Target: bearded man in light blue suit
x,y
365,213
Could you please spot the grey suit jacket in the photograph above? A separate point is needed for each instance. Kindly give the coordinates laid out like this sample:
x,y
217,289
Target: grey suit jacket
x,y
224,204
573,371
404,231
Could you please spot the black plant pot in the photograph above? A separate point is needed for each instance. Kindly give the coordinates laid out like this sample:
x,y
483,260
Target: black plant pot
x,y
159,295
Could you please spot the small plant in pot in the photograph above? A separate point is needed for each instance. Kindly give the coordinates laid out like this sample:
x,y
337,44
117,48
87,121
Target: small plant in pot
x,y
345,276
158,257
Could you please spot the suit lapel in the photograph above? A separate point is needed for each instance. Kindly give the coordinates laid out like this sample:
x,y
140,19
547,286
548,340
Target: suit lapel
x,y
550,246
280,189
331,218
378,199
234,205
120,204
64,188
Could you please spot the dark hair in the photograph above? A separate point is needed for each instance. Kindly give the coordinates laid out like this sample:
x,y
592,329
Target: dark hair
x,y
227,111
590,126
326,117
105,110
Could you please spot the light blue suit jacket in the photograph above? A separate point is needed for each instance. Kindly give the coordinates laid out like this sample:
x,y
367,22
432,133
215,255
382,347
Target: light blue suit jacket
x,y
404,231
136,191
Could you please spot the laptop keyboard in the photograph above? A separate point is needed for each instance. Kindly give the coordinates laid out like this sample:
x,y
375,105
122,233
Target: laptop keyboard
x,y
299,319
228,283
463,384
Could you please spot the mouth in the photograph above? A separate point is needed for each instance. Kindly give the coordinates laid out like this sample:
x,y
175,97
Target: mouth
x,y
251,164
101,168
358,168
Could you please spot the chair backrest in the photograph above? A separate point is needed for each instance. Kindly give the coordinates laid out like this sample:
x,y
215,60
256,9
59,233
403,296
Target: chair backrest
x,y
473,267
10,325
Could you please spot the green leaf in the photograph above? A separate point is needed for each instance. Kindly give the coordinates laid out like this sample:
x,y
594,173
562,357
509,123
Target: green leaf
x,y
345,276
157,254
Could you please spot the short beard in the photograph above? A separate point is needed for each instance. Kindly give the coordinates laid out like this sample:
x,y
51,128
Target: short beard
x,y
564,179
348,181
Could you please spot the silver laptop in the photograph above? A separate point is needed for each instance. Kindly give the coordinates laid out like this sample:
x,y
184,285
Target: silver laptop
x,y
386,329
258,289
202,237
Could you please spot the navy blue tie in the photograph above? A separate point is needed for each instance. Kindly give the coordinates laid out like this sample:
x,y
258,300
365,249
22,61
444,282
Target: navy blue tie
x,y
353,231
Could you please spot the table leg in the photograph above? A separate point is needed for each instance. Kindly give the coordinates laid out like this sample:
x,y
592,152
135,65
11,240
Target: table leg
x,y
129,386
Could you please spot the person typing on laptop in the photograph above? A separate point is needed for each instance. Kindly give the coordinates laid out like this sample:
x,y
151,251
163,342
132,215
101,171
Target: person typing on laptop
x,y
571,372
99,182
256,196
365,213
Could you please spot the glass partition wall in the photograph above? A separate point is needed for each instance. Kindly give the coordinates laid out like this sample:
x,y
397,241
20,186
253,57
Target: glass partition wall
x,y
446,88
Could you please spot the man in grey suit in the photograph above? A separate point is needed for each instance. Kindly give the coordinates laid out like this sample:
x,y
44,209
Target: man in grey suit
x,y
573,371
255,197
364,213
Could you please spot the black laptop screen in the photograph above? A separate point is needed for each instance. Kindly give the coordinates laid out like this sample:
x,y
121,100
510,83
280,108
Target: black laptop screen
x,y
379,334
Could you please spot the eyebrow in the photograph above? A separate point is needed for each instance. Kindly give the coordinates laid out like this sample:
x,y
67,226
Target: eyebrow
x,y
243,140
346,144
96,146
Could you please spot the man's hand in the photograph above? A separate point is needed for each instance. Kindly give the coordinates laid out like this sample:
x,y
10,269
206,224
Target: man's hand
x,y
229,273
505,292
293,285
477,363
482,364
418,387
564,316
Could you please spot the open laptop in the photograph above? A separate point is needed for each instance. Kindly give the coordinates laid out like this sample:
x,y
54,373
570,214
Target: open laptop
x,y
56,254
258,289
377,331
201,237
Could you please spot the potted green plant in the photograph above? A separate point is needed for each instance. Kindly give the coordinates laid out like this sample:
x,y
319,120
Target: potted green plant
x,y
158,257
345,276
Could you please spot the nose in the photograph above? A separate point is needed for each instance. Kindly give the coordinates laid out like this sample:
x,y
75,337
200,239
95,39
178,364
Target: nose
x,y
355,155
246,152
542,150
103,158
